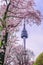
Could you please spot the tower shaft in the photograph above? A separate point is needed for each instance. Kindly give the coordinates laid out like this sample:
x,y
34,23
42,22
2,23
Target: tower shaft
x,y
24,39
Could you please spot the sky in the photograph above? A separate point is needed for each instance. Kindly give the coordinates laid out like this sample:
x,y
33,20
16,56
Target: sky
x,y
35,34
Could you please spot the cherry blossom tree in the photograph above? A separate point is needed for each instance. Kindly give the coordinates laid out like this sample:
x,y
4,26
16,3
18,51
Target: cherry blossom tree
x,y
15,55
12,12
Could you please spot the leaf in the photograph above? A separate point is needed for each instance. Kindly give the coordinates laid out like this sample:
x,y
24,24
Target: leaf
x,y
1,28
1,43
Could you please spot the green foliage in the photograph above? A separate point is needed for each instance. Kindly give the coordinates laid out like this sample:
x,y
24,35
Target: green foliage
x,y
1,28
1,43
4,40
39,60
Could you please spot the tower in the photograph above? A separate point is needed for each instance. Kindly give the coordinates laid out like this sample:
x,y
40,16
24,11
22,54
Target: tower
x,y
24,36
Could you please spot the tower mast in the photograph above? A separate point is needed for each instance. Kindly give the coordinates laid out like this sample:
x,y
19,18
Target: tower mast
x,y
24,36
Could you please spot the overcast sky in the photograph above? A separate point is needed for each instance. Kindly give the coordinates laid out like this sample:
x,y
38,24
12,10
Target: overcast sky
x,y
35,34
